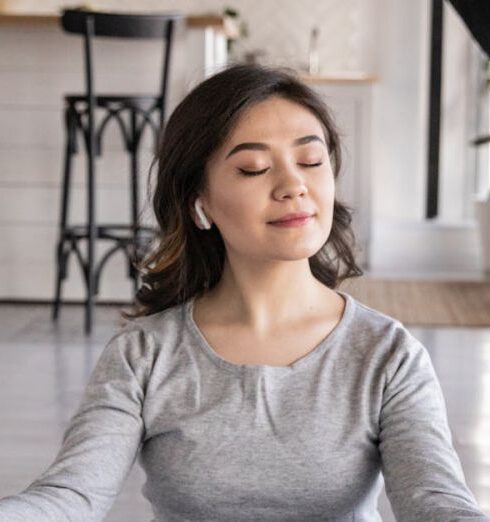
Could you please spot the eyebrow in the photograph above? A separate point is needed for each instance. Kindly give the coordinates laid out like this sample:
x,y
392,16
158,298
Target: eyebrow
x,y
263,146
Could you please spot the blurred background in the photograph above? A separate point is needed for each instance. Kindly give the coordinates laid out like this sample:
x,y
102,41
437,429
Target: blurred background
x,y
408,85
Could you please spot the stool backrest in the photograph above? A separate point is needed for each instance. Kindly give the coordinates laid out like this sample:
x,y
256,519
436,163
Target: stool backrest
x,y
121,25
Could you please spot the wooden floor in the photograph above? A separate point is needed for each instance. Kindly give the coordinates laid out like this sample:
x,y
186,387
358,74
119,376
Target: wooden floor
x,y
43,370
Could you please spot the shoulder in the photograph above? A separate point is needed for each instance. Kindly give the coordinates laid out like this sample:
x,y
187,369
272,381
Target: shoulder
x,y
142,337
383,337
158,321
373,324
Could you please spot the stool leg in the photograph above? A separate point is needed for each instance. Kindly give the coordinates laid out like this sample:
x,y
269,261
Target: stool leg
x,y
134,200
90,267
61,255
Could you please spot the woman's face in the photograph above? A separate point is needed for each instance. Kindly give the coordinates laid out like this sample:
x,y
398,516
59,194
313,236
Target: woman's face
x,y
283,142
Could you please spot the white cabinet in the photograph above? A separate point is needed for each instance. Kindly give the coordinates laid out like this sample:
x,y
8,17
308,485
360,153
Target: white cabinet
x,y
39,65
350,101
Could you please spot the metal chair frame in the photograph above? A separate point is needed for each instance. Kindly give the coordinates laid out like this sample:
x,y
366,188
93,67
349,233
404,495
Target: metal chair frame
x,y
79,115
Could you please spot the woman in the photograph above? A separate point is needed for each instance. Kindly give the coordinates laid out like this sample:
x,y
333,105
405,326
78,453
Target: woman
x,y
249,388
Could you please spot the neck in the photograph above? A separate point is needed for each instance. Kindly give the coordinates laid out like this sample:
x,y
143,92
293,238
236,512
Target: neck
x,y
265,296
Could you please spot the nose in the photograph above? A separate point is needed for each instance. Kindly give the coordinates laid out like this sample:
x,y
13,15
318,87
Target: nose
x,y
290,183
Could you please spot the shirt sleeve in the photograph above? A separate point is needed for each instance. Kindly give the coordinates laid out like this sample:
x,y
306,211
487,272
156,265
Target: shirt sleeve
x,y
99,445
423,476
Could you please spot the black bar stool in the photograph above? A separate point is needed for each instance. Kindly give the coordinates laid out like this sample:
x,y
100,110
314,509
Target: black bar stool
x,y
79,114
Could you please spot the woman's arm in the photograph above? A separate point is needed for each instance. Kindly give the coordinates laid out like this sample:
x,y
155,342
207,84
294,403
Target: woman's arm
x,y
423,475
99,446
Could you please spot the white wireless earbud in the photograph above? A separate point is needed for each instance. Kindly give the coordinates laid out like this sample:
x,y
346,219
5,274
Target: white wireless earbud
x,y
204,220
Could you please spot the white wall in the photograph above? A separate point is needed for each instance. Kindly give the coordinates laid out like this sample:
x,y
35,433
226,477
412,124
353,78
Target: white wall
x,y
458,119
399,46
403,241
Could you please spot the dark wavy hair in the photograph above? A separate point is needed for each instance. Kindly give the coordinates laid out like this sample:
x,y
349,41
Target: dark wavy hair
x,y
186,261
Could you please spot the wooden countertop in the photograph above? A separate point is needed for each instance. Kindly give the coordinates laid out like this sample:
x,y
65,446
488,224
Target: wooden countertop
x,y
11,17
338,77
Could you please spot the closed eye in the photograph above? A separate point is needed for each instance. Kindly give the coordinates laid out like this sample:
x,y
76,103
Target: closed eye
x,y
257,172
311,164
253,172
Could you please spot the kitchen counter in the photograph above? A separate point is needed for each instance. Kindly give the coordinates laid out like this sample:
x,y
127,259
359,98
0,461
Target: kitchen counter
x,y
339,77
192,21
40,63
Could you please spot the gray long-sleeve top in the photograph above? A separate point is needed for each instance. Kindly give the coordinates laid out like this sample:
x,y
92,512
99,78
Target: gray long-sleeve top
x,y
236,442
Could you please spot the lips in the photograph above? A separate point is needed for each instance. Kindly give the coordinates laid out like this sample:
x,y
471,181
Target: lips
x,y
292,217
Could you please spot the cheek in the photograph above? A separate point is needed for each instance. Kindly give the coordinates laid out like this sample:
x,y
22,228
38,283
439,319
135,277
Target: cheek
x,y
324,190
324,196
237,201
231,207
